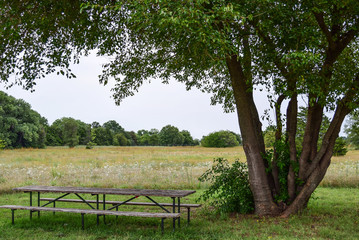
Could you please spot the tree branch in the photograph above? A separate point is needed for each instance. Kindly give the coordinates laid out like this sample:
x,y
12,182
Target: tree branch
x,y
278,136
334,128
320,20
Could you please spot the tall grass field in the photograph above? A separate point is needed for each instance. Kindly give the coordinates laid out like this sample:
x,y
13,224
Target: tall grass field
x,y
333,212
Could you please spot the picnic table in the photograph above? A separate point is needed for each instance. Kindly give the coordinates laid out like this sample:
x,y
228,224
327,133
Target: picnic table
x,y
108,207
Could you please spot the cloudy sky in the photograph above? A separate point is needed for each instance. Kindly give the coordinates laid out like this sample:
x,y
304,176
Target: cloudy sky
x,y
154,106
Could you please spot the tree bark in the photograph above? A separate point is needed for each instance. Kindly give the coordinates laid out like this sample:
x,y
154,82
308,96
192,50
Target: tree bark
x,y
318,167
253,143
291,131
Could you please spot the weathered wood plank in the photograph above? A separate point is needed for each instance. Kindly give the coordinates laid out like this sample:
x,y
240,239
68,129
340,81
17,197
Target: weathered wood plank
x,y
96,212
184,205
114,191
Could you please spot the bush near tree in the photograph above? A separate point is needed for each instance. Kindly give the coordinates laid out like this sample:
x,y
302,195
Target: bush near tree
x,y
229,189
220,139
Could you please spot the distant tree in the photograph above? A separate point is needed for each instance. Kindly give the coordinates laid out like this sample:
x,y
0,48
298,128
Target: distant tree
x,y
352,130
187,138
113,126
142,132
83,132
148,138
340,148
91,143
120,140
131,138
20,126
104,137
269,136
170,136
238,137
55,133
54,136
95,125
220,139
70,130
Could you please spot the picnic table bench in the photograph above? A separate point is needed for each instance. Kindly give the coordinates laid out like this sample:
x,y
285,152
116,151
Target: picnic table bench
x,y
135,193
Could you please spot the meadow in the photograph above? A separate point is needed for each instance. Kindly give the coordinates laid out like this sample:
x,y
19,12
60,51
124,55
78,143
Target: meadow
x,y
332,212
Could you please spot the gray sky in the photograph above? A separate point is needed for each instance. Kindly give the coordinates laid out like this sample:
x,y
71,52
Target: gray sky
x,y
154,106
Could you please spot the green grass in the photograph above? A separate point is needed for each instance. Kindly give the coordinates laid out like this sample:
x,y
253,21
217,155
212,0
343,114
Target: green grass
x,y
332,214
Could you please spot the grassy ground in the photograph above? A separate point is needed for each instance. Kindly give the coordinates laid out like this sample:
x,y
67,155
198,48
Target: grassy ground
x,y
332,213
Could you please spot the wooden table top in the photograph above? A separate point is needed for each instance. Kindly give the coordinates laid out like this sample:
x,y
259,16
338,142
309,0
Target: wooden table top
x,y
114,191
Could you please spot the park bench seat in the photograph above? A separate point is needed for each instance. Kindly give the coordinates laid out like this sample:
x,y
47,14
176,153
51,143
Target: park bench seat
x,y
92,211
183,205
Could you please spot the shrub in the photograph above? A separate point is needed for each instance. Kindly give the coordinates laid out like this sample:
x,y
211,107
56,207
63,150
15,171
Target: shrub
x,y
229,190
2,144
340,147
220,139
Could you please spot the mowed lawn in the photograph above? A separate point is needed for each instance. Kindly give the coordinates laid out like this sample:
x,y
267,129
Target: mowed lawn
x,y
333,212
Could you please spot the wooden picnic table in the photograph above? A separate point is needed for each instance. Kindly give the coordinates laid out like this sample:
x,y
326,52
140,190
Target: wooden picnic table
x,y
135,193
112,191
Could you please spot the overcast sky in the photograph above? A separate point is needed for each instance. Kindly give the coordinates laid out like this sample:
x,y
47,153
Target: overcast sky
x,y
154,106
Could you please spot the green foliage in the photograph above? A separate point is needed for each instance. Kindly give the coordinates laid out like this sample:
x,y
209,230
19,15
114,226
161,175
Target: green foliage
x,y
220,139
283,164
340,147
103,136
187,138
70,130
2,144
120,140
229,190
57,135
269,136
91,143
148,138
352,130
20,126
170,136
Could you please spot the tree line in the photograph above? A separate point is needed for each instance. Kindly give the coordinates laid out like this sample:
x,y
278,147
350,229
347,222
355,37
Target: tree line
x,y
23,127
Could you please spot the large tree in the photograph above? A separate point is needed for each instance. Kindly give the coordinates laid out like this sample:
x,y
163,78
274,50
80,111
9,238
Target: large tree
x,y
296,49
20,126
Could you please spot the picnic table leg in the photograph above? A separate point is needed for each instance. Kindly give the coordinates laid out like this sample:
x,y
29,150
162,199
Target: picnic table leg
x,y
174,211
104,208
38,203
162,225
97,207
54,207
188,215
83,221
117,215
12,216
179,211
30,205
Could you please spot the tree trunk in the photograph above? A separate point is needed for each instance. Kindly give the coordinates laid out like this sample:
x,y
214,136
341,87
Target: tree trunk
x,y
317,169
253,144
